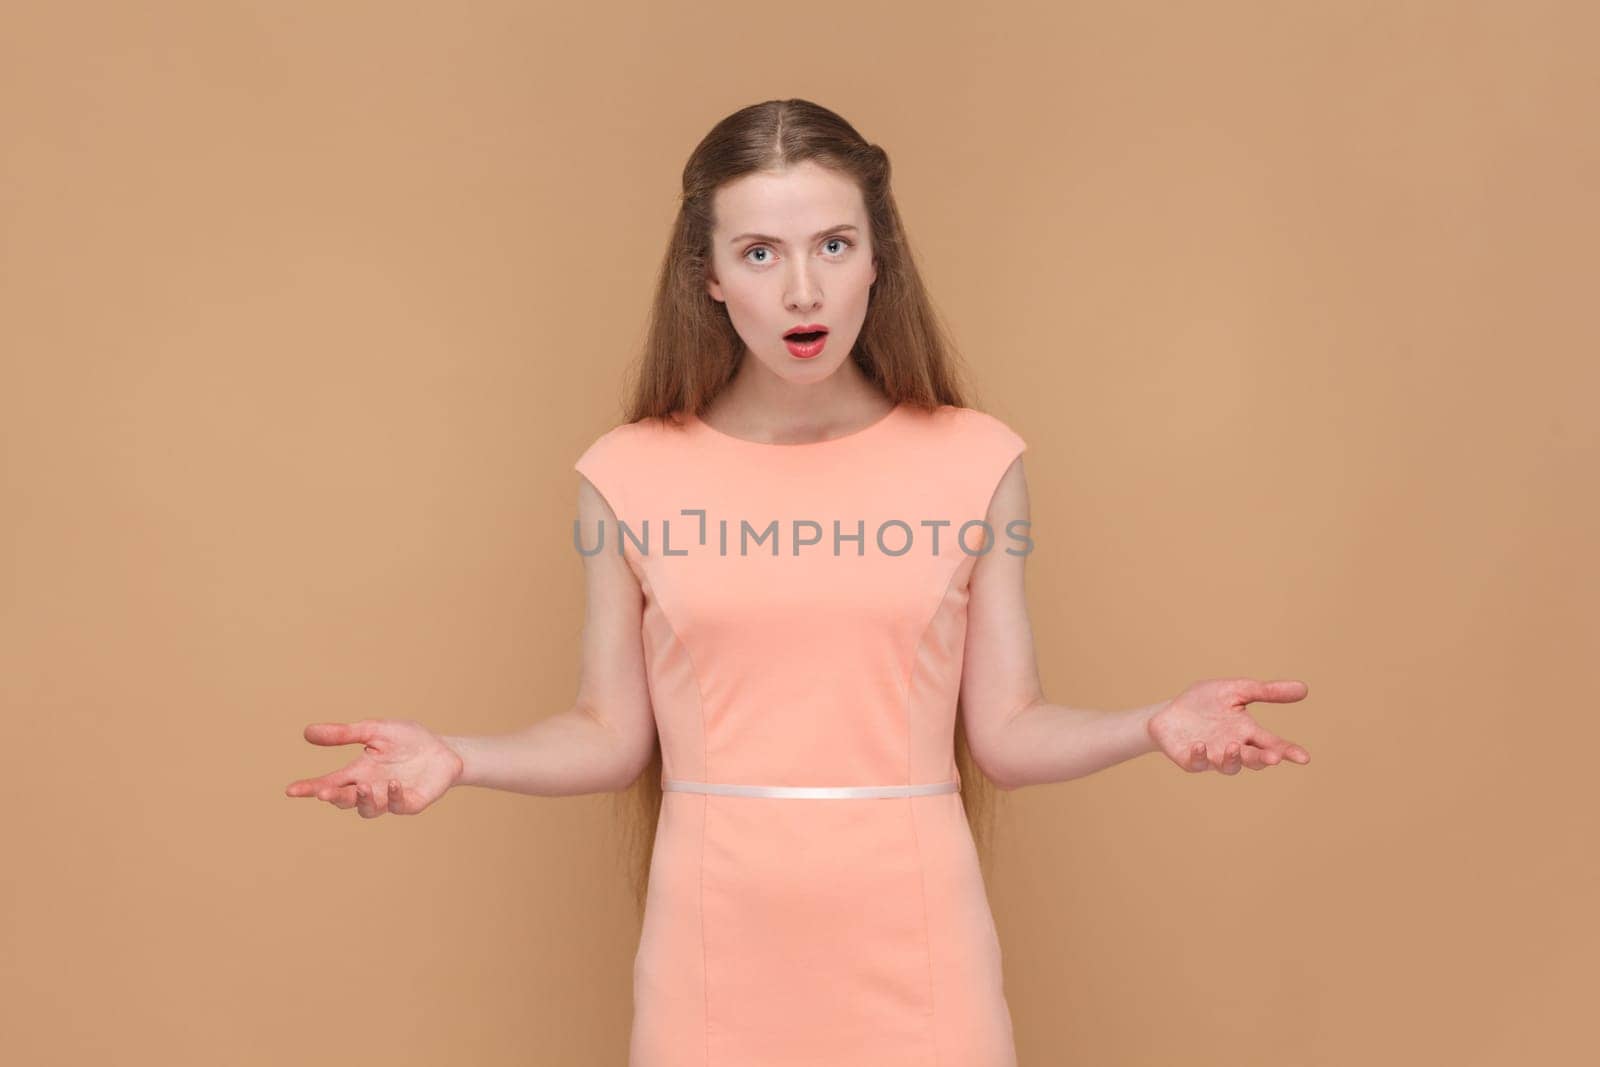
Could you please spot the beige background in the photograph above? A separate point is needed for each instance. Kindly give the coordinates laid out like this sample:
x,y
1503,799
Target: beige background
x,y
306,309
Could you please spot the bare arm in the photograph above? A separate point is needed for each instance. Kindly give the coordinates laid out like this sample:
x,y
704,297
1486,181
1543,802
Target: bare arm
x,y
603,742
1016,736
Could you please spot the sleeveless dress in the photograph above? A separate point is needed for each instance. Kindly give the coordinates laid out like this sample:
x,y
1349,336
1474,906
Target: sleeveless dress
x,y
803,626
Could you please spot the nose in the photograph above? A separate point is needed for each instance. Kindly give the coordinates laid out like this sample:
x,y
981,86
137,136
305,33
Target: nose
x,y
804,294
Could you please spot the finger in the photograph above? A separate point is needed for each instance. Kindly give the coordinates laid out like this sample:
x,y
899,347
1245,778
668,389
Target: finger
x,y
342,797
1276,749
377,794
1251,757
341,733
364,803
1279,748
1262,737
315,787
311,787
1197,756
1248,690
397,799
1230,759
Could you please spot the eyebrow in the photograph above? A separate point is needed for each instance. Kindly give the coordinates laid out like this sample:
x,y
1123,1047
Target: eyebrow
x,y
779,240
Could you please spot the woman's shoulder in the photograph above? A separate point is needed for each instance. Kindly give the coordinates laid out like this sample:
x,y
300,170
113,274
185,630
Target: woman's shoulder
x,y
978,427
627,449
631,435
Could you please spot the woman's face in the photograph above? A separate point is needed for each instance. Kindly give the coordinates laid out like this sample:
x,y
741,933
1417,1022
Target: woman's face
x,y
792,248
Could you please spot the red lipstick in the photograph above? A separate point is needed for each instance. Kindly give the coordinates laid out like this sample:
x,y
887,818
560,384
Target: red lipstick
x,y
805,342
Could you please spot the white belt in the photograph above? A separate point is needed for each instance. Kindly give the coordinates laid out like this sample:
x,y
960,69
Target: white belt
x,y
810,791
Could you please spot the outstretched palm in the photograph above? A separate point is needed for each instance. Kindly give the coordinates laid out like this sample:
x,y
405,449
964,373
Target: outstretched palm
x,y
1206,726
404,768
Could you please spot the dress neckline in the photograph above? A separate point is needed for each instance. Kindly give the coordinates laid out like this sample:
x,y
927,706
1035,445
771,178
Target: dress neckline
x,y
745,442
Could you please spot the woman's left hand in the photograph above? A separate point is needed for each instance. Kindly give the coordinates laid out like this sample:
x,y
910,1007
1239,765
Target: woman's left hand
x,y
1206,726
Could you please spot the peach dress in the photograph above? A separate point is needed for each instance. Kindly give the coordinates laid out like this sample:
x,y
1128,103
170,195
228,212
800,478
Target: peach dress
x,y
798,912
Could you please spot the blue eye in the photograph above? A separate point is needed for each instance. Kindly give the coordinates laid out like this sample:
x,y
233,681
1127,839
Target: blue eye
x,y
830,241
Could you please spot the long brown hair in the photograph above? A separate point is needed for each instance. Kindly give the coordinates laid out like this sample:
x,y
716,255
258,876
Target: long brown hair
x,y
692,350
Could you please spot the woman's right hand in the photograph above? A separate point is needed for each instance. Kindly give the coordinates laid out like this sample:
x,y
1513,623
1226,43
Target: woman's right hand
x,y
404,768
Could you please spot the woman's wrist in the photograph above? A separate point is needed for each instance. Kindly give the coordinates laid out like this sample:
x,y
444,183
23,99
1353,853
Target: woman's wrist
x,y
462,748
1148,713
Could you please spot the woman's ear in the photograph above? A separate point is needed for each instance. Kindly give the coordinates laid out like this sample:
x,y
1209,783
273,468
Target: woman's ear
x,y
713,287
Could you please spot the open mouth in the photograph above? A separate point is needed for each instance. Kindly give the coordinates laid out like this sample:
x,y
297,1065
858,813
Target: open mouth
x,y
806,341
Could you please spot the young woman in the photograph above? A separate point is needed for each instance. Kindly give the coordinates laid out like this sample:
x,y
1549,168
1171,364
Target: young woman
x,y
807,647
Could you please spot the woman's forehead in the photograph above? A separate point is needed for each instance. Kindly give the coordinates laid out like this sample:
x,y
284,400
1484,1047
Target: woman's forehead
x,y
798,200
